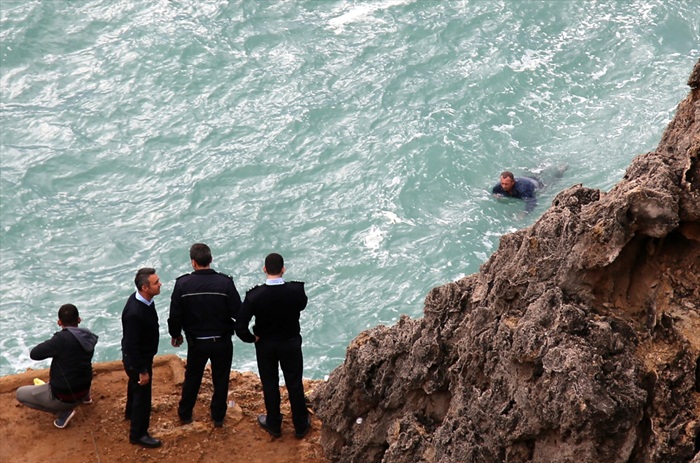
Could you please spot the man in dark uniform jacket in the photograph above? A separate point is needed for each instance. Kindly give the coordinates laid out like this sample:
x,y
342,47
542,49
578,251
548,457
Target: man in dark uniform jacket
x,y
276,306
139,346
204,304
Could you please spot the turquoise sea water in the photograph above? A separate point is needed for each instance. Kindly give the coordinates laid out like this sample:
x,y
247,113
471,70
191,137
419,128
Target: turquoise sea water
x,y
357,138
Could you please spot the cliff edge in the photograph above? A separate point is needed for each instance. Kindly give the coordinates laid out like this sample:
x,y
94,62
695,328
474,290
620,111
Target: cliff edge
x,y
578,340
100,434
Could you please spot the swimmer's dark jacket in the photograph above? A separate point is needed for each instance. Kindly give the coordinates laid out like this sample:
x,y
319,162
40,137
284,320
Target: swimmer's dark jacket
x,y
524,189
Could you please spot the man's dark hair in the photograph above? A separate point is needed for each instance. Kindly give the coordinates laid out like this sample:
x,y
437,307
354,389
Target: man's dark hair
x,y
274,264
142,275
200,253
509,174
68,314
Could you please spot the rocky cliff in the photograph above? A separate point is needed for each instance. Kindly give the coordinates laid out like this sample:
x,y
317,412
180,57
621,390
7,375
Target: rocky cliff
x,y
578,340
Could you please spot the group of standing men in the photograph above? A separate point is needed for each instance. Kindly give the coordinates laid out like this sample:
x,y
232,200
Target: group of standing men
x,y
206,306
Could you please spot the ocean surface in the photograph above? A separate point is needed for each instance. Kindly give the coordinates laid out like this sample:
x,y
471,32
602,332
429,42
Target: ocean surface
x,y
359,139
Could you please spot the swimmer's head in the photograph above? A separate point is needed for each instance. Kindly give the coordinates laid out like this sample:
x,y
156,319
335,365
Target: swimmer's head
x,y
507,181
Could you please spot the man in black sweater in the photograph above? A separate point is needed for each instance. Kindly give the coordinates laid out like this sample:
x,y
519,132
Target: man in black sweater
x,y
276,306
139,346
204,304
71,350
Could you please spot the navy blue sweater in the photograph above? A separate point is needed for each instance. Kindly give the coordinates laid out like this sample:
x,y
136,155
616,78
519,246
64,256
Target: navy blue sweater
x,y
524,189
140,336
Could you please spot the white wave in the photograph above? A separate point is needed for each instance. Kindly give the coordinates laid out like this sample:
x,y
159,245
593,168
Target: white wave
x,y
394,219
531,60
374,237
360,12
597,75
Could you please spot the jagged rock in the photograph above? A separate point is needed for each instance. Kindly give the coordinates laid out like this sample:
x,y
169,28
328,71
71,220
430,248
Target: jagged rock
x,y
578,340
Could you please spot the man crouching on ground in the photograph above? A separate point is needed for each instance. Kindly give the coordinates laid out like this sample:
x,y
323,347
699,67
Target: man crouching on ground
x,y
71,350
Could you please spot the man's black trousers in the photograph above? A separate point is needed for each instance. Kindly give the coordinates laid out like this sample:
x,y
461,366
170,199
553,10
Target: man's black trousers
x,y
138,403
272,354
220,352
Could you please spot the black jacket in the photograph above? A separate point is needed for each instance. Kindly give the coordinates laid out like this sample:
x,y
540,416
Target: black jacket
x,y
140,334
276,309
71,350
204,303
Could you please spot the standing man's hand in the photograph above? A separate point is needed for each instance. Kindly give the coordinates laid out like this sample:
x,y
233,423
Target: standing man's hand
x,y
144,378
257,338
176,342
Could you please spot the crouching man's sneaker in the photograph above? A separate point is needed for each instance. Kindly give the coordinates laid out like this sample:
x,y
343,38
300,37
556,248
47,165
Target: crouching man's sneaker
x,y
64,418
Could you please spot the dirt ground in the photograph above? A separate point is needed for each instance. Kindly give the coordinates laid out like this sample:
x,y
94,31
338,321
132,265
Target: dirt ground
x,y
99,433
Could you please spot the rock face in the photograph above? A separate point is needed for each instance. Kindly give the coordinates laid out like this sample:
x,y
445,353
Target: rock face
x,y
578,341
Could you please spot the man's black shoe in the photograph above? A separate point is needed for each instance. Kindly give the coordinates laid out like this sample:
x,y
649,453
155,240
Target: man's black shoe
x,y
184,419
218,423
305,431
147,441
262,421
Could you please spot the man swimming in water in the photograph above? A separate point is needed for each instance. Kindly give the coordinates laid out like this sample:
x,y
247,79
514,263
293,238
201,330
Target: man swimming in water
x,y
518,187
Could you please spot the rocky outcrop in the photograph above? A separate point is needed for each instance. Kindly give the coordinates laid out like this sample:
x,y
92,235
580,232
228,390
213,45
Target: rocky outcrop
x,y
578,340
